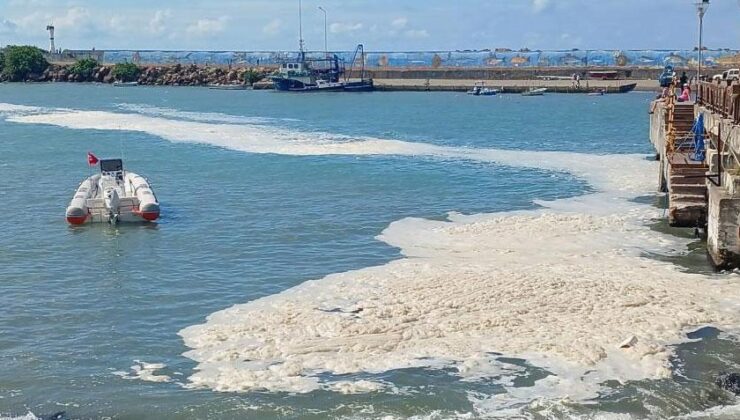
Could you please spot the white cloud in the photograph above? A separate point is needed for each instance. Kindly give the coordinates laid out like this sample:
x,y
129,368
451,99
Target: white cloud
x,y
7,27
399,23
158,23
339,27
416,33
539,5
207,27
75,17
273,28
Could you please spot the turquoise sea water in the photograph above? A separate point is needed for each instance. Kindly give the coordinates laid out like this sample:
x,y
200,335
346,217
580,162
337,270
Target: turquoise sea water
x,y
80,306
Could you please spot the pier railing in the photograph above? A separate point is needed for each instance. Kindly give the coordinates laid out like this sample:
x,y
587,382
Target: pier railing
x,y
721,99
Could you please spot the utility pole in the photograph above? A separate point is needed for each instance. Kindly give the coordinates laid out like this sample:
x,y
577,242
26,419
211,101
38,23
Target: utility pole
x,y
326,44
701,9
300,28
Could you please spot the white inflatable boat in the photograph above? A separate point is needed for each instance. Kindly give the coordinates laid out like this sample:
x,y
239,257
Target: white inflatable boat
x,y
113,196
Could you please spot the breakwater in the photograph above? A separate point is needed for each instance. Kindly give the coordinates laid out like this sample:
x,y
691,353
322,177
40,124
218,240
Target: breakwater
x,y
175,75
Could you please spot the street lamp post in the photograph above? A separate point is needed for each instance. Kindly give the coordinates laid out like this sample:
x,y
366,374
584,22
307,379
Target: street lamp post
x,y
701,9
326,44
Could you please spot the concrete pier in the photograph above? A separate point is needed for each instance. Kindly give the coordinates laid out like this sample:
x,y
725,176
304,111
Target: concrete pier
x,y
680,175
705,193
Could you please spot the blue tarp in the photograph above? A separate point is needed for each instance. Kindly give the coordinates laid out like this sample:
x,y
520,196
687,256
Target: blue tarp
x,y
574,58
698,131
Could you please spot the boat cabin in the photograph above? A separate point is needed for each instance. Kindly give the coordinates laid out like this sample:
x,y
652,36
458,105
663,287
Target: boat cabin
x,y
292,68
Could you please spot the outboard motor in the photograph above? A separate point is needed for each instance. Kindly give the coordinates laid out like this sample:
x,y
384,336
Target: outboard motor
x,y
112,202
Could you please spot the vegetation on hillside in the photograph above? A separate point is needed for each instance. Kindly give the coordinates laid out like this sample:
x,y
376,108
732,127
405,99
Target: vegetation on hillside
x,y
126,72
19,62
84,67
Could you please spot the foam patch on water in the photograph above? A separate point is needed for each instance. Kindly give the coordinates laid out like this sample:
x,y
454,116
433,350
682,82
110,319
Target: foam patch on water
x,y
144,371
214,117
27,416
608,171
562,288
357,387
725,412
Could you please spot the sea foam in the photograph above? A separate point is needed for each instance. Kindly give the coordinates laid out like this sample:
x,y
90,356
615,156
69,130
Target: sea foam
x,y
562,287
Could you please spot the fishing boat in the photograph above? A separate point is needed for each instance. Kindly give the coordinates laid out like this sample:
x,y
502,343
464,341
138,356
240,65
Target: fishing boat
x,y
534,92
113,195
125,84
322,74
479,89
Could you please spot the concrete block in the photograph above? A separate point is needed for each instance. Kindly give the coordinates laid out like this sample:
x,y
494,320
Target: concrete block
x,y
723,236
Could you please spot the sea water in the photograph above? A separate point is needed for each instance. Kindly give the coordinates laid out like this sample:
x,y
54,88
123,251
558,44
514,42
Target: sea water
x,y
384,255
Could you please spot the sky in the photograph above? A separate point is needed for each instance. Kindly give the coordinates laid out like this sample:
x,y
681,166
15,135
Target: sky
x,y
381,25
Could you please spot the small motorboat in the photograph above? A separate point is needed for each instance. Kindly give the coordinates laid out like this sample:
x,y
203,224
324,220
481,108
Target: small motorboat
x,y
125,84
534,92
113,196
599,92
479,89
227,87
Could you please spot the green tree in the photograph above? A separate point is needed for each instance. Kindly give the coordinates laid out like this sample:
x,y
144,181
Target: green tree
x,y
21,61
251,76
125,72
84,67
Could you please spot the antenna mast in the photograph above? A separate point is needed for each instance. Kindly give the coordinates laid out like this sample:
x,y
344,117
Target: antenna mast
x,y
300,27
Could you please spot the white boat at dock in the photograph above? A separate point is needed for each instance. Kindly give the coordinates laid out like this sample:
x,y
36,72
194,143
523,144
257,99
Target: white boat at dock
x,y
534,92
114,195
125,84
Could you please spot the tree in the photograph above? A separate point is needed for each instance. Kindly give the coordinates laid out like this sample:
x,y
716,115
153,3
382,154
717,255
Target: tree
x,y
84,67
125,72
251,76
21,61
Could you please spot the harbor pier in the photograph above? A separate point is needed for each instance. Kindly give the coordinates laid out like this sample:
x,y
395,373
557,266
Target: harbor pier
x,y
698,145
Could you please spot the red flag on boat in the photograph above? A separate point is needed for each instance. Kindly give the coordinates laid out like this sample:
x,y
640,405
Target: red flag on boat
x,y
91,159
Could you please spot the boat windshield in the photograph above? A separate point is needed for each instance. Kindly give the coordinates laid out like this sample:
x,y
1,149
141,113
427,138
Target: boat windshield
x,y
111,165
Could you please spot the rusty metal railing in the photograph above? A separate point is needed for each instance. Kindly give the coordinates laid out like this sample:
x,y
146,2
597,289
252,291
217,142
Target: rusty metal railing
x,y
721,99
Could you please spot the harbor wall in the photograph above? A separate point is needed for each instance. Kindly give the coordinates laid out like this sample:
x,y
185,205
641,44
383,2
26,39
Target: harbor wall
x,y
723,221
